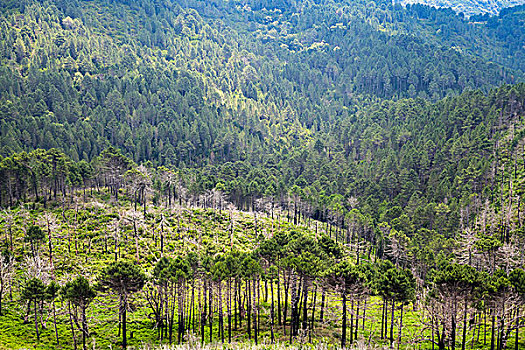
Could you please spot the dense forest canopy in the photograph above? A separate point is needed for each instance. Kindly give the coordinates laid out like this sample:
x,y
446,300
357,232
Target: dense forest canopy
x,y
467,7
261,170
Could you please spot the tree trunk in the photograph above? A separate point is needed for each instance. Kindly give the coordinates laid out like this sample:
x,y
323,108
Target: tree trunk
x,y
203,311
312,318
453,331
221,319
492,338
294,302
84,327
72,327
343,330
400,328
229,311
516,339
464,335
36,323
285,311
279,296
352,321
256,298
249,307
305,301
392,324
124,330
356,329
383,326
272,336
323,298
210,301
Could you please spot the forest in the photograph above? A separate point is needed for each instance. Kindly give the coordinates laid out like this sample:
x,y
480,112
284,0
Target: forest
x,y
329,174
469,8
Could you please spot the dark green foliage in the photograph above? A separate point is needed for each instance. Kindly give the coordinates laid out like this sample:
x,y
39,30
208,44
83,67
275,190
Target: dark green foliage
x,y
34,289
79,292
122,277
186,90
517,279
34,234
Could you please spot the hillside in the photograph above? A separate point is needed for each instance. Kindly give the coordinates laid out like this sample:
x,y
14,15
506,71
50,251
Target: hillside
x,y
268,171
391,238
180,86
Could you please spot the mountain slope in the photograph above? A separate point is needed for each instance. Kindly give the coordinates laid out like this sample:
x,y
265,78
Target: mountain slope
x,y
212,83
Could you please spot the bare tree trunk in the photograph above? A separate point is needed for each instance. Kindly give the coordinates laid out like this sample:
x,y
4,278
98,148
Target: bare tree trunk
x,y
36,322
516,339
323,298
272,336
221,319
464,335
55,322
229,310
124,330
278,296
249,307
343,330
400,327
72,326
210,301
392,324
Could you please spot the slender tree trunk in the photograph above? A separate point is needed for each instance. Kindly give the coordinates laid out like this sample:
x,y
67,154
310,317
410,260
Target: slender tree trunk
x,y
383,320
211,311
256,298
285,309
323,298
180,312
171,313
84,327
124,330
272,336
36,322
203,311
343,330
516,339
229,311
236,293
279,296
400,327
432,326
392,324
364,314
352,321
305,304
312,319
492,338
50,245
249,309
72,326
356,329
294,302
464,335
221,319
